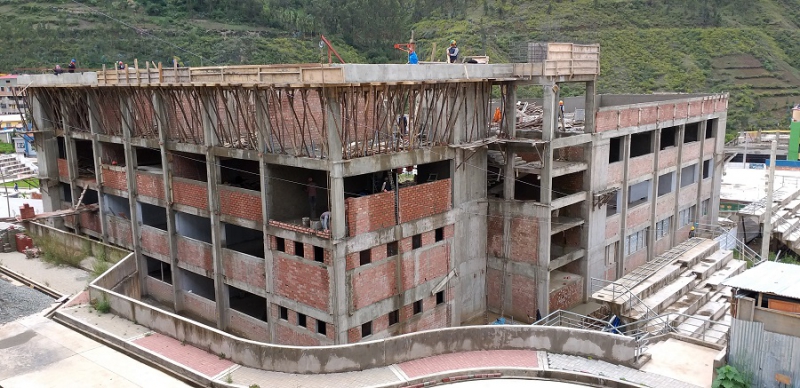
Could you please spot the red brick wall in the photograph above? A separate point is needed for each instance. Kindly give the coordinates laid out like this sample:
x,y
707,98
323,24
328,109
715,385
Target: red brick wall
x,y
615,172
188,166
374,284
63,170
606,120
91,221
191,193
424,200
639,215
248,270
305,283
628,117
691,151
433,263
494,230
667,158
493,282
196,253
310,331
287,335
666,112
525,239
248,326
695,108
120,229
523,293
435,319
567,296
159,290
154,240
681,110
648,115
640,165
115,177
200,306
612,226
150,185
368,213
240,203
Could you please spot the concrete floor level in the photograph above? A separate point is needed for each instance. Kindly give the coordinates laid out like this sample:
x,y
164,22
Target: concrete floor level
x,y
219,190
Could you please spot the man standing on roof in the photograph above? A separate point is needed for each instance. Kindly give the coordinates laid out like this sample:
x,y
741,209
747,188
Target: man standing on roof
x,y
452,52
121,66
71,66
412,57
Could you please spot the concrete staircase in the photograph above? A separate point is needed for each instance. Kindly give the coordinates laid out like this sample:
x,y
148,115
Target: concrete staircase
x,y
685,293
11,167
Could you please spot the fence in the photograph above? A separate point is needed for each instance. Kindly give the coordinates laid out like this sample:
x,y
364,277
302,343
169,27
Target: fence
x,y
761,355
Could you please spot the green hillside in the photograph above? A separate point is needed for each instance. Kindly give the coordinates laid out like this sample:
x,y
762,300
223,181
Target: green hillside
x,y
750,48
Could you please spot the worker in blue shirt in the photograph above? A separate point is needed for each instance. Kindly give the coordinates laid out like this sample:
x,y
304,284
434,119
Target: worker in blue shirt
x,y
452,52
412,58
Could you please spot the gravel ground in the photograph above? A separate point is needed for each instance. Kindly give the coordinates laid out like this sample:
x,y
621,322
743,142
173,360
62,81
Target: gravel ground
x,y
20,301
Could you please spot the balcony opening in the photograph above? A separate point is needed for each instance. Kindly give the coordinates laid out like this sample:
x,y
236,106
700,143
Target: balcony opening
x,y
116,206
188,166
691,133
197,284
85,153
429,172
666,183
158,269
528,188
297,193
641,144
151,215
711,128
569,184
244,240
194,227
615,151
639,193
148,160
668,137
614,204
240,173
62,147
688,175
565,244
708,169
112,154
247,303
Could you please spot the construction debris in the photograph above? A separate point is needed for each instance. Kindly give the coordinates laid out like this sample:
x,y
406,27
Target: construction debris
x,y
531,117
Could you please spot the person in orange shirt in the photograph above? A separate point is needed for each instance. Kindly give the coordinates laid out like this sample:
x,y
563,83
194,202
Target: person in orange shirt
x,y
498,115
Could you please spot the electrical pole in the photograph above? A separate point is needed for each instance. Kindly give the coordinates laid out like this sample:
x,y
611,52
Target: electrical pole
x,y
766,234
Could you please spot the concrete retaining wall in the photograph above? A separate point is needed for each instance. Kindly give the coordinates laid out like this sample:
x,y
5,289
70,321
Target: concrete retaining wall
x,y
354,357
79,243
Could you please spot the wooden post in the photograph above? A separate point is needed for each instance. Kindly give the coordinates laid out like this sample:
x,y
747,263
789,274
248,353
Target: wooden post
x,y
160,73
136,70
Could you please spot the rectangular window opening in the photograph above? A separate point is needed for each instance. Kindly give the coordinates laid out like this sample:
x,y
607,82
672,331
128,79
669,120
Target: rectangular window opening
x,y
667,138
394,317
440,297
416,241
439,234
284,313
301,320
691,133
365,257
280,244
322,328
366,329
298,249
707,168
641,144
418,307
666,183
319,254
391,248
615,152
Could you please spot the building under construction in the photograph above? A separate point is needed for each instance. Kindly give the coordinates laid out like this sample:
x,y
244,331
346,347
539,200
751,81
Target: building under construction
x,y
440,210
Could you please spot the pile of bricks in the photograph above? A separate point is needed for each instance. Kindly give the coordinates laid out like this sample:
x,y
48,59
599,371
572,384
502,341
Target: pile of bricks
x,y
300,229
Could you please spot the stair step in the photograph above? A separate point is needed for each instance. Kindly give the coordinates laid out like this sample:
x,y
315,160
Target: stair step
x,y
712,263
712,310
693,326
734,267
666,295
693,255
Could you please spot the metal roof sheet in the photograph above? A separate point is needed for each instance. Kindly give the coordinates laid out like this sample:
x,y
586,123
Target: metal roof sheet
x,y
769,277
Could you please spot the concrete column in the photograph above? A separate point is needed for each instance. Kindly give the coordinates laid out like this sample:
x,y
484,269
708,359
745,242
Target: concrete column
x,y
651,237
549,126
172,230
509,183
72,163
591,106
596,179
338,225
126,109
217,233
47,158
264,130
676,212
623,206
94,128
719,166
699,199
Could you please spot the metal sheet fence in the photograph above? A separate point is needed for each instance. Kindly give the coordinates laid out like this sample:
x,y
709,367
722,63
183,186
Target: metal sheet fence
x,y
761,355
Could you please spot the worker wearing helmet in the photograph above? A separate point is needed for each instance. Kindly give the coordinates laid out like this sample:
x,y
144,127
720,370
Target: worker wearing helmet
x,y
452,52
121,65
71,66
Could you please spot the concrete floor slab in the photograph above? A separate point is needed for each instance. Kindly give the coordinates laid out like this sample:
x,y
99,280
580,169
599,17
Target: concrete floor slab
x,y
682,361
65,337
366,378
11,329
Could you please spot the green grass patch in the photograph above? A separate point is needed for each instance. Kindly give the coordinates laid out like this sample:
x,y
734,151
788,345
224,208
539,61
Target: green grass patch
x,y
56,253
23,184
102,305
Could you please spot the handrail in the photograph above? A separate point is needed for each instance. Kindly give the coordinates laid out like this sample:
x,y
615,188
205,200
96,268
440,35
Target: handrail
x,y
632,296
746,252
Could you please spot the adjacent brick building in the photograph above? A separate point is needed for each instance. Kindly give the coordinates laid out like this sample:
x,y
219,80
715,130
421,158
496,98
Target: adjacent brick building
x,y
209,186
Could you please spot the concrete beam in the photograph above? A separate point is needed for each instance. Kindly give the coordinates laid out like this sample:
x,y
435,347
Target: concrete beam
x,y
384,162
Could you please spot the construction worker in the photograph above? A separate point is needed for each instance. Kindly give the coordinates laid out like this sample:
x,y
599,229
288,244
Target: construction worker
x,y
412,57
58,70
71,66
325,219
452,52
121,66
691,232
498,115
561,107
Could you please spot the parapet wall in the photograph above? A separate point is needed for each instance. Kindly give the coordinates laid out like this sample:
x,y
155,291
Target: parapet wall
x,y
354,357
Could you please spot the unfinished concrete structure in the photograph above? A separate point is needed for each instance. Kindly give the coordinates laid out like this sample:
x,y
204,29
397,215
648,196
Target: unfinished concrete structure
x,y
205,172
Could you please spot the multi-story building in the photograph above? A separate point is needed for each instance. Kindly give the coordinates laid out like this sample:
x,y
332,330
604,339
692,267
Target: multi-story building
x,y
11,100
206,175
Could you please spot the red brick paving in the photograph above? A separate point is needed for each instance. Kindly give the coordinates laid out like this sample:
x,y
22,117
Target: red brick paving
x,y
82,298
197,359
468,360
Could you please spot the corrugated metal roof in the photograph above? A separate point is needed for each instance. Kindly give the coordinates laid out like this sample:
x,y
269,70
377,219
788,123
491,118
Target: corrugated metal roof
x,y
769,277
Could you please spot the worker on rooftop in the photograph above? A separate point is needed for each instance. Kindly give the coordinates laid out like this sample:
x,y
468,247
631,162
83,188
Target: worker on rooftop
x,y
121,66
452,52
412,57
71,66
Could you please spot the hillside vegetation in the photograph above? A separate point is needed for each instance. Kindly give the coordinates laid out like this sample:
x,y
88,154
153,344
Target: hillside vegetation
x,y
750,48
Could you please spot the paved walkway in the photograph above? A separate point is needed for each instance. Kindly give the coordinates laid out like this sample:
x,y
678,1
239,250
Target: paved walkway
x,y
222,370
38,352
64,279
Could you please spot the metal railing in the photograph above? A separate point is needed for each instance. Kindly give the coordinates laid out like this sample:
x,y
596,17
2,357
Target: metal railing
x,y
629,300
745,252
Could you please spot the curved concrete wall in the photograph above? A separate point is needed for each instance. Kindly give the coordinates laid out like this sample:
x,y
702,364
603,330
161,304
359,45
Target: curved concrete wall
x,y
353,357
